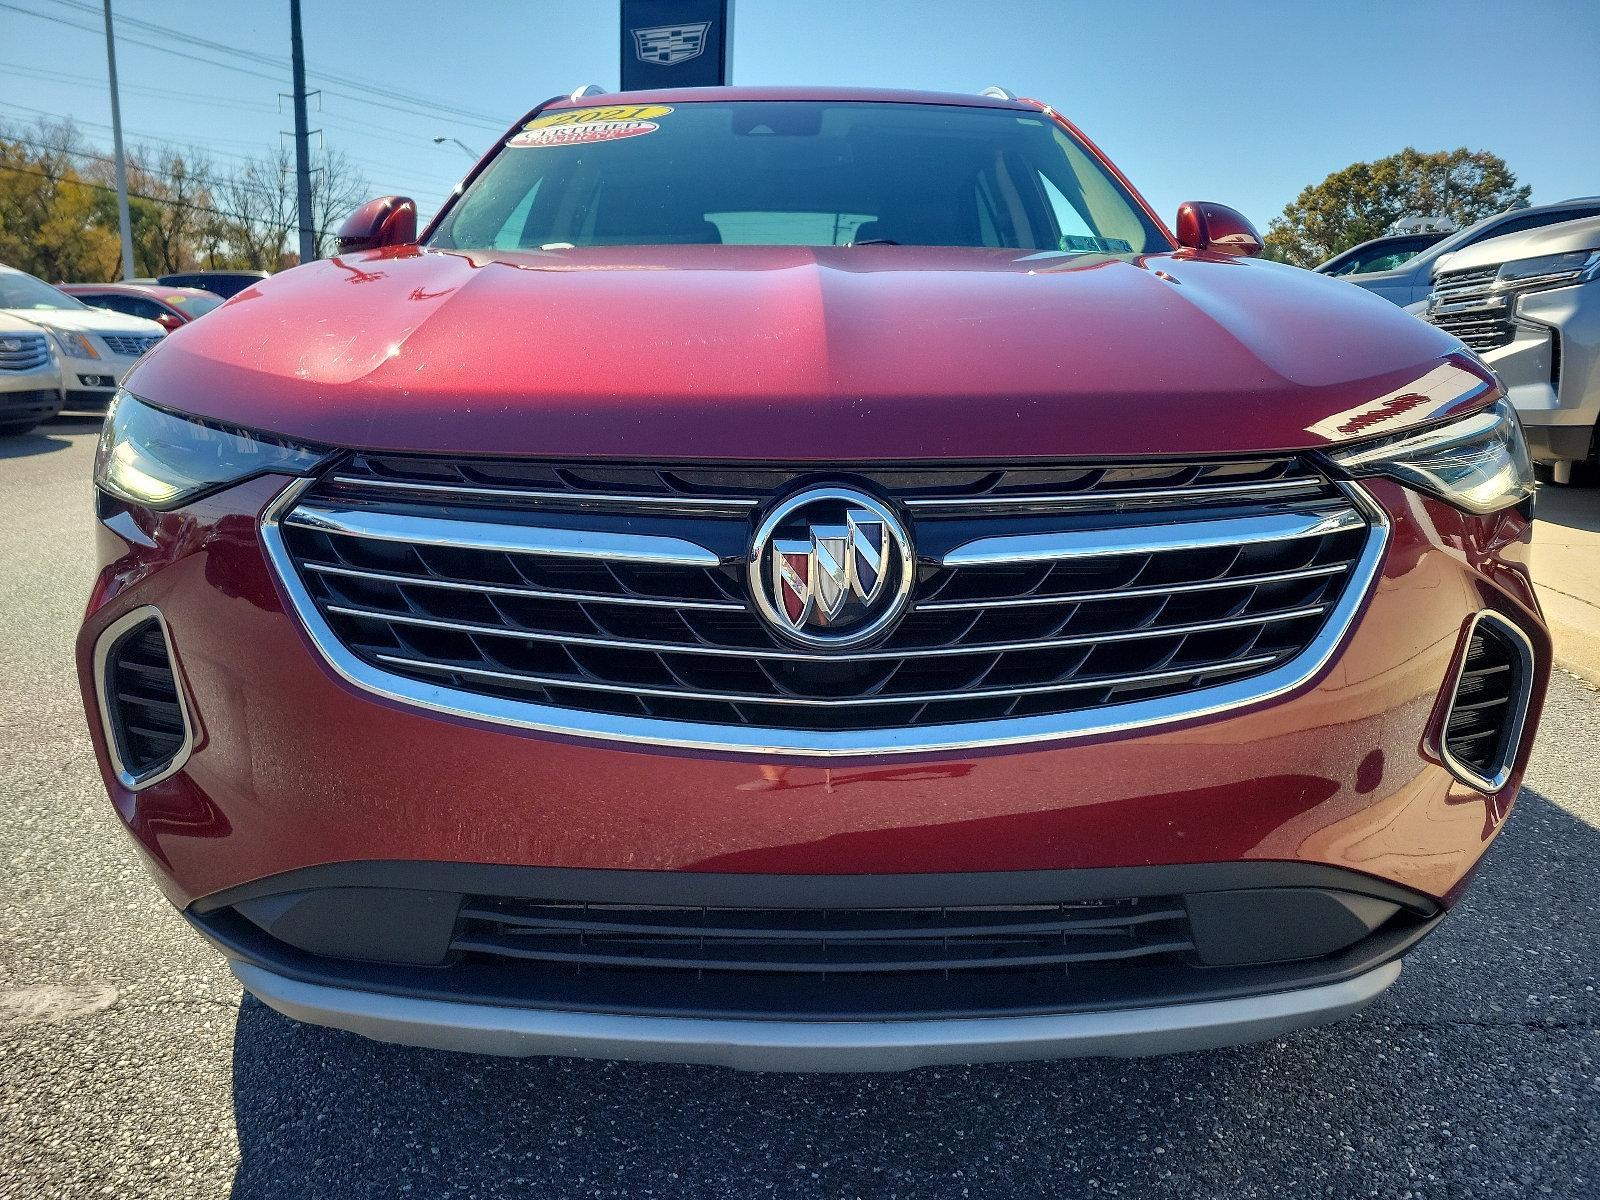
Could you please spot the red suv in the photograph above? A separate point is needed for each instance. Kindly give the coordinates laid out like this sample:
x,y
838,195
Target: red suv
x,y
811,579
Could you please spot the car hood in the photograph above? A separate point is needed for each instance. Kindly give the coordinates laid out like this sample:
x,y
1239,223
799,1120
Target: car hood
x,y
1532,243
92,320
798,354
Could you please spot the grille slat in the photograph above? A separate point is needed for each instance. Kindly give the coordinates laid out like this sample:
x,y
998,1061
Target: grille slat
x,y
145,718
129,345
23,352
1484,722
824,944
620,589
1484,322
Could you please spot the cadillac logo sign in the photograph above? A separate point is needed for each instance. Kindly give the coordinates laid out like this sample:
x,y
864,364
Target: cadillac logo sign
x,y
831,568
666,45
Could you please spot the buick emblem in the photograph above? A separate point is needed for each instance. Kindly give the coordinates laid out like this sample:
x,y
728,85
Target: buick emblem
x,y
831,567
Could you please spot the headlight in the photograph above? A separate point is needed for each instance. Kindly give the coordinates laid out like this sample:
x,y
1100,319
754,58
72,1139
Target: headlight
x,y
1548,271
158,459
77,345
1479,463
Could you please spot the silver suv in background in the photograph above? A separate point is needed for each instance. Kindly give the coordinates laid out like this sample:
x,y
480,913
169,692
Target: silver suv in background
x,y
1411,282
1529,305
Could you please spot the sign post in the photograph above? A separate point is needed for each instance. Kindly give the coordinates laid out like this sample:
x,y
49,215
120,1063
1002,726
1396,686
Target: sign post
x,y
676,43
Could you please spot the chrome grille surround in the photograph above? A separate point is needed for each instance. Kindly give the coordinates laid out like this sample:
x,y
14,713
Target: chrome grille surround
x,y
30,354
1468,305
661,573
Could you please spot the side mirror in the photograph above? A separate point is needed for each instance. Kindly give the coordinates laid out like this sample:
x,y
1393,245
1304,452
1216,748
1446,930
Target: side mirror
x,y
169,321
386,221
1203,225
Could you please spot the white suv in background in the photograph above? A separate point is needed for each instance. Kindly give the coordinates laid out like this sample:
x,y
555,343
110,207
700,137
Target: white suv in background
x,y
1529,304
96,347
30,376
1410,282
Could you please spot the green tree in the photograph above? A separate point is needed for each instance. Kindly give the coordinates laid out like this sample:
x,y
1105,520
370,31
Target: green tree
x,y
1366,198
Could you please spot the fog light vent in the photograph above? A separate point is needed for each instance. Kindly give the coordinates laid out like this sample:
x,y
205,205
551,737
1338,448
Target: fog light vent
x,y
146,725
1484,723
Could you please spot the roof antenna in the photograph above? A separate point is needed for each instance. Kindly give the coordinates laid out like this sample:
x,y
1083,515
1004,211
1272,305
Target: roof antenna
x,y
995,92
588,89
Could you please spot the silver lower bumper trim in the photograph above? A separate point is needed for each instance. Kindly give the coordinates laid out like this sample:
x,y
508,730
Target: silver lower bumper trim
x,y
755,1045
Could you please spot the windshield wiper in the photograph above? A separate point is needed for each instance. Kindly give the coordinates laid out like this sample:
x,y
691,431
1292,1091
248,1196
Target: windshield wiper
x,y
876,242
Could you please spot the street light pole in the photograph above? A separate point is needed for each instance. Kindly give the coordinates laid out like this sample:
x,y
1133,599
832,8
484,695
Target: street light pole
x,y
124,221
471,153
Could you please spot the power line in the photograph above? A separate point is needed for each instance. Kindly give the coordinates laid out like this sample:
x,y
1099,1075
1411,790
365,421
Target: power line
x,y
269,60
418,106
167,141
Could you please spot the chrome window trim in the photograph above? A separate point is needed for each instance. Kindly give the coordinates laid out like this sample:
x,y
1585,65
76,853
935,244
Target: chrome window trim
x,y
108,638
1517,718
647,732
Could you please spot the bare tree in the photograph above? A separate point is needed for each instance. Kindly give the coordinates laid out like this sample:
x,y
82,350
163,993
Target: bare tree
x,y
178,206
337,187
260,197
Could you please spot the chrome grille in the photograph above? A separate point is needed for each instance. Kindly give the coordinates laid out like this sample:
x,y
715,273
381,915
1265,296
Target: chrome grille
x,y
1466,304
129,345
619,590
23,352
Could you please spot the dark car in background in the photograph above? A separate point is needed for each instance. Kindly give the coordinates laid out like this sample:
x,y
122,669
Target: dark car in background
x,y
1380,254
169,307
226,284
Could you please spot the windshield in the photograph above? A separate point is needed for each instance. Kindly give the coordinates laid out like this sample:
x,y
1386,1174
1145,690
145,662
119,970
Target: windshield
x,y
796,173
193,306
24,291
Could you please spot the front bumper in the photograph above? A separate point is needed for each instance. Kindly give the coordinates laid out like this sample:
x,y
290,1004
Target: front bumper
x,y
814,1045
30,396
1551,371
293,769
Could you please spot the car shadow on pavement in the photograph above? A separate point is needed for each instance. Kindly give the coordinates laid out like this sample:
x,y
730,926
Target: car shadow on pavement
x,y
26,445
1473,1076
1572,507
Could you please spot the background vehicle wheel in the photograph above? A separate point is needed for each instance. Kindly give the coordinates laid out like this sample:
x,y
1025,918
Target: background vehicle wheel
x,y
15,428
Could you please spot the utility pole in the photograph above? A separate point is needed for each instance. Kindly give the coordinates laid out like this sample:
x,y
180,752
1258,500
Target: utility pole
x,y
123,220
302,136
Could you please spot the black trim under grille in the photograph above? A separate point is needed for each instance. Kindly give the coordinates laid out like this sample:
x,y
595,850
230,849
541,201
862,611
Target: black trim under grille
x,y
681,642
141,698
817,947
807,941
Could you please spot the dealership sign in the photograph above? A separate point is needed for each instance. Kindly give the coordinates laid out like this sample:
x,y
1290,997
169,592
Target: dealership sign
x,y
675,43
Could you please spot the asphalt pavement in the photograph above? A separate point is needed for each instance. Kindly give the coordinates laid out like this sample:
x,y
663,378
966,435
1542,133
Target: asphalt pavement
x,y
130,1067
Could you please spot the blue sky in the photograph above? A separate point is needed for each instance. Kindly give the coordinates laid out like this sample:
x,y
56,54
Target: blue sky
x,y
1240,102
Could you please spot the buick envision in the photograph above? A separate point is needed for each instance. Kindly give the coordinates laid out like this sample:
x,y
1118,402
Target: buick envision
x,y
811,579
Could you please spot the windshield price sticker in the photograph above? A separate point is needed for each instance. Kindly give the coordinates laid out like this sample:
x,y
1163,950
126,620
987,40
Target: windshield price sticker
x,y
582,126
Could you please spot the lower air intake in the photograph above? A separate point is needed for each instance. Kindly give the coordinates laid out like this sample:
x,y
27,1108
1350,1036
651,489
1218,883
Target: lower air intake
x,y
142,710
1484,725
